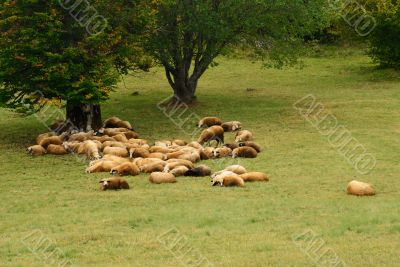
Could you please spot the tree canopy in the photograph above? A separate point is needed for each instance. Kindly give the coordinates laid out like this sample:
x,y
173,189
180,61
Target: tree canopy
x,y
189,34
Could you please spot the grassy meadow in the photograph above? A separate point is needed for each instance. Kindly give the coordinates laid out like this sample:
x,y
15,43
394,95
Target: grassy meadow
x,y
250,226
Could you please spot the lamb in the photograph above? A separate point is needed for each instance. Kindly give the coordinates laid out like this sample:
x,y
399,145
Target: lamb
x,y
243,136
56,150
213,133
238,169
207,153
102,166
358,188
199,171
162,178
127,168
254,177
222,152
245,152
232,126
208,122
179,171
114,183
36,150
254,145
116,151
228,181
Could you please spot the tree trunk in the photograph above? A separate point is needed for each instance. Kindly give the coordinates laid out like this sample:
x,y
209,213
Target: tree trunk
x,y
84,117
184,87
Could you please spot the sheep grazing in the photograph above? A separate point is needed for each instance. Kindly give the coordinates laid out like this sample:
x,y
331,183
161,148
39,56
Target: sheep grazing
x,y
213,133
228,181
358,188
56,150
238,169
244,152
179,171
162,178
232,126
208,122
199,171
116,151
207,153
254,177
36,150
114,183
222,152
127,168
243,136
254,145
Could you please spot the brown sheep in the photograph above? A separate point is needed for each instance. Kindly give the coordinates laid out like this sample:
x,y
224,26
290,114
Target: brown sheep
x,y
152,167
208,122
120,138
232,126
74,147
103,138
182,162
91,149
160,149
179,171
138,141
223,173
102,166
36,150
228,181
116,151
244,152
56,150
127,168
207,153
179,142
116,159
222,152
195,144
199,171
113,144
52,140
157,155
162,178
254,145
238,169
40,137
81,136
111,122
191,156
138,152
254,177
131,135
231,146
243,136
165,143
114,183
213,133
358,188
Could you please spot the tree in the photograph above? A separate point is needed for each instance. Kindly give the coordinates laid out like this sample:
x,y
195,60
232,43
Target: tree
x,y
63,51
189,34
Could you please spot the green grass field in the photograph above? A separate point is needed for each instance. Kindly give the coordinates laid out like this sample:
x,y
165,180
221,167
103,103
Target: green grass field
x,y
251,226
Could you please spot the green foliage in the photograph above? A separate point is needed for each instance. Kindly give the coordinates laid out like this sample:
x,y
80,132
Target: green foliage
x,y
44,48
385,39
195,32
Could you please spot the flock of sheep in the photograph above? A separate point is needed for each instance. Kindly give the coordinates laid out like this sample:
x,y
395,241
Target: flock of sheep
x,y
116,148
